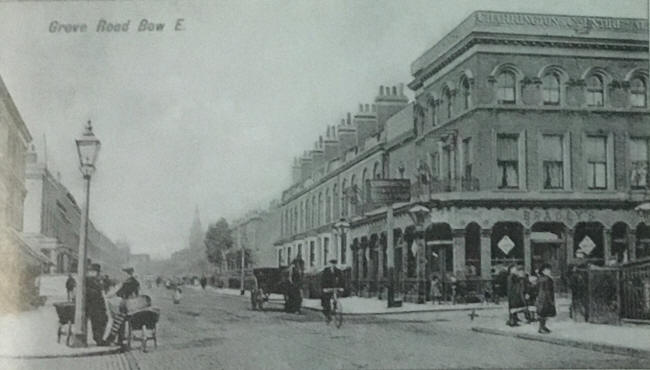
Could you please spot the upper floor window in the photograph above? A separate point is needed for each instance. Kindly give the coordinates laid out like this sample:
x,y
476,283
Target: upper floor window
x,y
638,92
435,165
508,161
595,91
466,93
433,111
552,153
467,158
639,159
506,89
596,154
280,257
449,102
551,91
312,254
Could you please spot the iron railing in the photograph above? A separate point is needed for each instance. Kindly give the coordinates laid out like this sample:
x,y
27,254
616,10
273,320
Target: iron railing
x,y
437,186
635,287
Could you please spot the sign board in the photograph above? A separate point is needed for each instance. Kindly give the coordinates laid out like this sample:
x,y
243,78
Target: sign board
x,y
388,191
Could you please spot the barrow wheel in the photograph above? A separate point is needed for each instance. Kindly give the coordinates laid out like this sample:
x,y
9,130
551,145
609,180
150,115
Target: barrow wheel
x,y
144,338
338,314
68,339
127,334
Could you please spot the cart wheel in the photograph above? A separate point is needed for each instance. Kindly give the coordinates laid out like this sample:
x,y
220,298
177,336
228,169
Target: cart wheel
x,y
68,338
338,314
127,333
144,338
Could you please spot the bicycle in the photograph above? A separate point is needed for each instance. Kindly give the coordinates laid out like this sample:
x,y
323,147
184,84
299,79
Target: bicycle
x,y
336,308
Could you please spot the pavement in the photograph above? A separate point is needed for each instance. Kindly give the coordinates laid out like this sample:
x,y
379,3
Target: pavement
x,y
626,339
207,330
373,306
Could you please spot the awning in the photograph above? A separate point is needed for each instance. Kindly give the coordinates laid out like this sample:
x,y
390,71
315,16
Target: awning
x,y
544,237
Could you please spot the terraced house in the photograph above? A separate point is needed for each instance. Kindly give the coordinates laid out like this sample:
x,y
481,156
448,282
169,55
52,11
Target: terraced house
x,y
527,142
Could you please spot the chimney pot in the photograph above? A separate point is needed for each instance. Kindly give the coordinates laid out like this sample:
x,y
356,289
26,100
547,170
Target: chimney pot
x,y
349,118
381,90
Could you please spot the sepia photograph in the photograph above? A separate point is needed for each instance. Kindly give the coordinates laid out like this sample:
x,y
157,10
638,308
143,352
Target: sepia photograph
x,y
324,184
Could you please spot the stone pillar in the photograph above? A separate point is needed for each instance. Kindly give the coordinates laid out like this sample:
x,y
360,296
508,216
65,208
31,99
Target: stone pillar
x,y
380,259
486,253
570,253
527,251
631,244
458,250
607,245
420,267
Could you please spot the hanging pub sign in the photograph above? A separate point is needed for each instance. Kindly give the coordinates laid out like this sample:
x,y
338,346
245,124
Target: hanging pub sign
x,y
383,192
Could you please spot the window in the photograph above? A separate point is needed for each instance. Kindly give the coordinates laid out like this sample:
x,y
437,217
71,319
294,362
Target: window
x,y
506,88
435,165
449,100
595,91
312,254
344,199
552,153
638,93
376,171
326,242
639,159
288,255
596,153
508,161
344,248
299,255
434,112
467,158
551,92
279,257
467,96
328,206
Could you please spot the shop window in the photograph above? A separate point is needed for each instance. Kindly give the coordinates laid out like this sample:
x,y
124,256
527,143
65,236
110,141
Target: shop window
x,y
552,154
596,153
506,89
508,161
638,93
639,161
551,91
595,91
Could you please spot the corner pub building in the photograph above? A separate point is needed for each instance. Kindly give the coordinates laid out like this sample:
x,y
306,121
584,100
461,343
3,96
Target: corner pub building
x,y
527,141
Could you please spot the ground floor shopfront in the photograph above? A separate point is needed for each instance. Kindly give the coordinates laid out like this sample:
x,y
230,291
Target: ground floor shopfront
x,y
474,243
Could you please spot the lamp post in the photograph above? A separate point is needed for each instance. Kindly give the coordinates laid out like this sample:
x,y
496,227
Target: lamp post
x,y
419,214
87,149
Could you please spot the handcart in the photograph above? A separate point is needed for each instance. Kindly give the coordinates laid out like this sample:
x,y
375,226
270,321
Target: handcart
x,y
140,324
65,311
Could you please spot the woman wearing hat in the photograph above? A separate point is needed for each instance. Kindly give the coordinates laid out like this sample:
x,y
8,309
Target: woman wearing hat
x,y
545,302
130,288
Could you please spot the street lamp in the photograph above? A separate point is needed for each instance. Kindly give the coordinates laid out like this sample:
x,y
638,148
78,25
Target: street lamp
x,y
87,148
419,214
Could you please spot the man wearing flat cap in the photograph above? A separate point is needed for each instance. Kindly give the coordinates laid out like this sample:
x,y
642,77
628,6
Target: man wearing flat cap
x,y
95,305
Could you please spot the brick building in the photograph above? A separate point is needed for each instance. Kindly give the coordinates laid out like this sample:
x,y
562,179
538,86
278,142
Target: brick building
x,y
53,221
527,141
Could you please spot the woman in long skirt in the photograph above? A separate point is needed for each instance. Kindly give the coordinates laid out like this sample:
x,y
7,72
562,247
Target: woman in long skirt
x,y
545,298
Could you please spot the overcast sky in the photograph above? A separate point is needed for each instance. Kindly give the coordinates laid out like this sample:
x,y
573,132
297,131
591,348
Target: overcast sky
x,y
213,115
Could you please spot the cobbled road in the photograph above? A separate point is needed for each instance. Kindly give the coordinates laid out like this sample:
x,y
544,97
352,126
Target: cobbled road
x,y
211,331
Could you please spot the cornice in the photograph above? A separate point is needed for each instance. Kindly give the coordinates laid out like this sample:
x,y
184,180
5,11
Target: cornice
x,y
508,39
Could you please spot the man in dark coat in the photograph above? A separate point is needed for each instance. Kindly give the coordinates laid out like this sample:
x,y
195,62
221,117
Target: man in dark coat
x,y
70,284
203,281
545,302
331,278
95,304
516,295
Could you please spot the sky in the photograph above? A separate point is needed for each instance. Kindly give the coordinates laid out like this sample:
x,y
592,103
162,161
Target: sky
x,y
213,114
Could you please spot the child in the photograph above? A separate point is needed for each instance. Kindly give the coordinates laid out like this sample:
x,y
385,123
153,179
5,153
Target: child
x,y
436,295
178,294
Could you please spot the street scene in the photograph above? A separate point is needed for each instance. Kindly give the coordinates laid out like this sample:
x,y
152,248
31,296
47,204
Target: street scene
x,y
324,185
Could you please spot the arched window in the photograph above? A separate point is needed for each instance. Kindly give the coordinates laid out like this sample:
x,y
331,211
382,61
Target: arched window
x,y
434,111
344,198
466,93
638,92
336,211
595,91
551,89
328,206
319,216
352,196
364,177
506,91
314,210
376,171
449,102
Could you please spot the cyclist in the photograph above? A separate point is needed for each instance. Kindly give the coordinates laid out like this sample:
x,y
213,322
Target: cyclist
x,y
330,279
